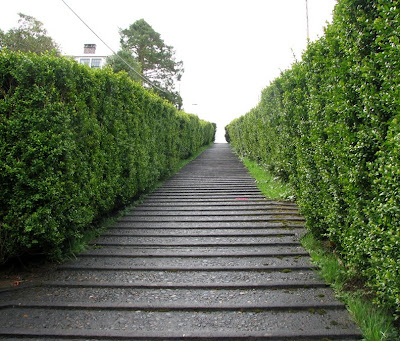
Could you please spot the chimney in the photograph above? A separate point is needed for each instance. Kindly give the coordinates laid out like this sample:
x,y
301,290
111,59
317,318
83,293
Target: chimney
x,y
89,49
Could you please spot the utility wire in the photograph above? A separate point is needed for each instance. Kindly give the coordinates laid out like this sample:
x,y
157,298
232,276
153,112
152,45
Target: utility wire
x,y
115,54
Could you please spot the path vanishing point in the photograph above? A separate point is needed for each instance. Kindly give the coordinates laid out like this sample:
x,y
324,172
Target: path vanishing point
x,y
205,257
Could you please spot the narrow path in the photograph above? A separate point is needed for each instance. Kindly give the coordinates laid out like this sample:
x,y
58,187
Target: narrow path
x,y
205,257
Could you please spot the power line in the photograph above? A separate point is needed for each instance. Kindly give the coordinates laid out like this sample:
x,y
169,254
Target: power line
x,y
115,54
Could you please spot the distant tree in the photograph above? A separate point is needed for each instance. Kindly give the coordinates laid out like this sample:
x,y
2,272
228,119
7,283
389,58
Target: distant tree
x,y
155,57
30,36
174,97
119,63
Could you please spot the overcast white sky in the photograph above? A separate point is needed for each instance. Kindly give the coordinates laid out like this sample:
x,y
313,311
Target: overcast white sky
x,y
231,49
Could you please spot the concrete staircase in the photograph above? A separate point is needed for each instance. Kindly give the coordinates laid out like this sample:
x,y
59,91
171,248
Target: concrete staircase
x,y
205,257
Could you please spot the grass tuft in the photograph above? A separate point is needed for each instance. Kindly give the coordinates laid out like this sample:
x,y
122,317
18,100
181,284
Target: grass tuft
x,y
271,186
376,323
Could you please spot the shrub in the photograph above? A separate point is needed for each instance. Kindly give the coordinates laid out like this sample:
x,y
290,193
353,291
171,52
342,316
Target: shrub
x,y
76,143
329,125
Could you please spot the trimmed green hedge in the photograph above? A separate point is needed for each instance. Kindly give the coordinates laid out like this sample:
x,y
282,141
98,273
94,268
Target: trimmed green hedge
x,y
331,126
76,143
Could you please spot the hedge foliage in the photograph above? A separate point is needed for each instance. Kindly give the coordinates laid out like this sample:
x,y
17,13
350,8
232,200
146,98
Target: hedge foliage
x,y
331,126
74,144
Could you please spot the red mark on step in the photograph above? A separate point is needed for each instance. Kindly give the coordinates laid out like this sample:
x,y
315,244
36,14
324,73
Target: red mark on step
x,y
241,198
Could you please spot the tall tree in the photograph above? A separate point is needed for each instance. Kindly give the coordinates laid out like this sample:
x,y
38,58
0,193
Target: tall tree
x,y
124,61
155,57
30,36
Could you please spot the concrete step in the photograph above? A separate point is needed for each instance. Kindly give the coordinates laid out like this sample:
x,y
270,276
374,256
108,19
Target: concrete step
x,y
199,251
189,276
211,191
105,323
211,208
197,241
215,225
210,213
196,232
238,195
265,298
200,263
240,204
230,199
215,219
